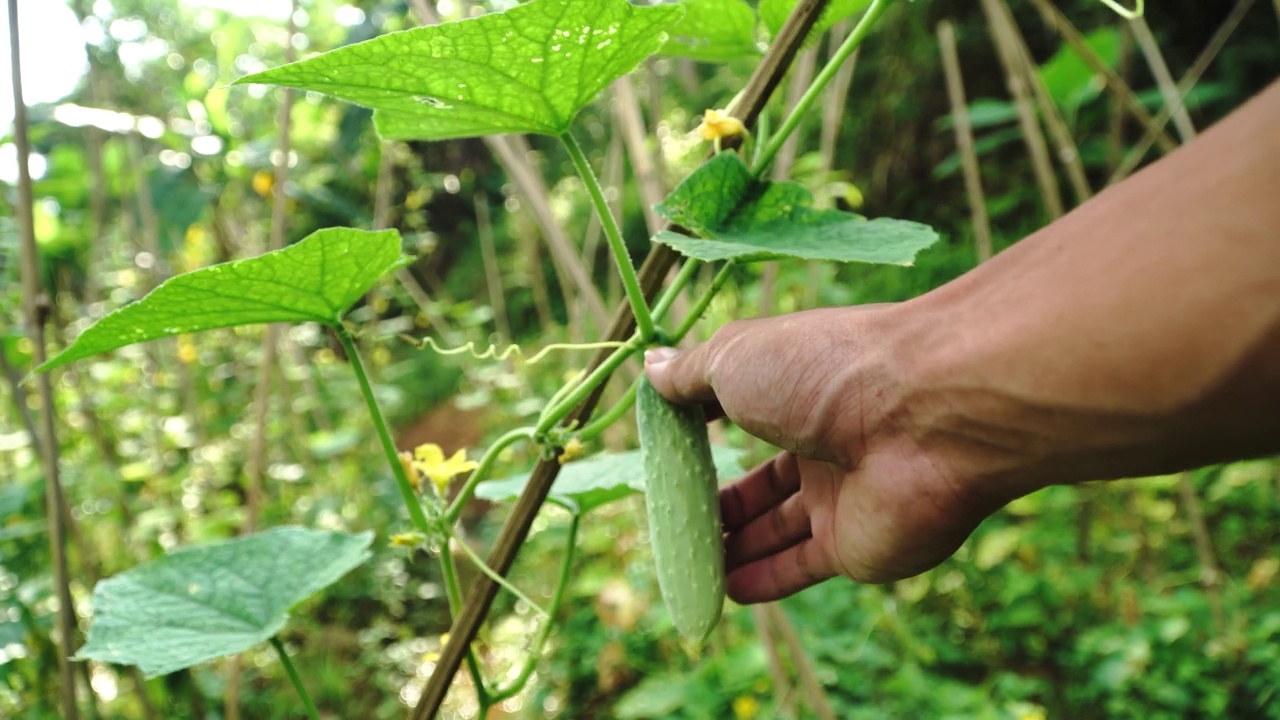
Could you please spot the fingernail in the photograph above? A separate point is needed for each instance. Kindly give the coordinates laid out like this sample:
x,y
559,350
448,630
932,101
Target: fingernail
x,y
659,355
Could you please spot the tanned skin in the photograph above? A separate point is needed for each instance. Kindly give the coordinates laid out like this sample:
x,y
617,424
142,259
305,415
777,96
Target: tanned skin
x,y
1138,335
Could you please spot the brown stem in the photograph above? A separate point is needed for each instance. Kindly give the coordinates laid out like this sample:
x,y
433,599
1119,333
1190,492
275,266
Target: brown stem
x,y
813,691
1164,79
35,305
1054,18
660,259
832,120
1115,113
964,140
1046,181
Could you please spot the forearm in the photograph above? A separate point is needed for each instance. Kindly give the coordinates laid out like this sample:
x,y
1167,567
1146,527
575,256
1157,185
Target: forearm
x,y
1139,334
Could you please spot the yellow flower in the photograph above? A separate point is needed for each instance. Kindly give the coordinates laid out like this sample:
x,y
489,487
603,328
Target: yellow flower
x,y
263,182
572,449
430,461
717,124
407,539
745,707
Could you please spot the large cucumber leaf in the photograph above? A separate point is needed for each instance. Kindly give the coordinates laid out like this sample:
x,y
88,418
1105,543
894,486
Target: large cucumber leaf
x,y
315,279
529,69
737,216
209,601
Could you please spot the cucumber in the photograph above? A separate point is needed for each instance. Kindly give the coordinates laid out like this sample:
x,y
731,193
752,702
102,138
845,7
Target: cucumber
x,y
684,512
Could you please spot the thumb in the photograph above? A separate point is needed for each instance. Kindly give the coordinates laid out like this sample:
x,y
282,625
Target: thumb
x,y
681,377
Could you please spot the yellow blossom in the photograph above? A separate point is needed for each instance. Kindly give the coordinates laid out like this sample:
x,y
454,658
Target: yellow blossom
x,y
407,539
263,182
718,124
430,461
572,450
745,707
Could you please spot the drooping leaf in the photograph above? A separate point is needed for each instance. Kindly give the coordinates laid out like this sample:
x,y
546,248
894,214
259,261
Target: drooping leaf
x,y
714,31
739,217
529,69
315,279
774,13
210,601
602,478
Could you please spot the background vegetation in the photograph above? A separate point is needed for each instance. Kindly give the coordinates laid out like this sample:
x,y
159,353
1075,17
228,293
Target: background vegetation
x,y
1154,599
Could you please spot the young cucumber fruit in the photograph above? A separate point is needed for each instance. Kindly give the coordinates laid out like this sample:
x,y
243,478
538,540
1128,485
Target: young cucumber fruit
x,y
684,512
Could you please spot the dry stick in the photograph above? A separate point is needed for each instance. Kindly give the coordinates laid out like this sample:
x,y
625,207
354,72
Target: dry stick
x,y
1041,167
1210,572
1067,152
256,465
964,139
1059,23
492,274
660,259
777,671
1188,81
513,154
1115,114
808,679
35,303
801,76
1164,79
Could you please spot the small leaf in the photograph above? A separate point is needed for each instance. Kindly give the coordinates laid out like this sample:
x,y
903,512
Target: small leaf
x,y
747,219
530,69
714,31
774,13
602,478
315,279
210,601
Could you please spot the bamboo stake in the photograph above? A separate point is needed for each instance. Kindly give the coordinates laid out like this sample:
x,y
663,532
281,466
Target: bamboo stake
x,y
492,275
1188,81
777,672
1054,18
813,691
1046,181
256,465
660,260
1210,571
35,305
1164,79
964,140
1115,113
1067,152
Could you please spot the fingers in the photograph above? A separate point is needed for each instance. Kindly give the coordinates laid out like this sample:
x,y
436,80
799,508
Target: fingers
x,y
758,491
772,532
798,567
681,377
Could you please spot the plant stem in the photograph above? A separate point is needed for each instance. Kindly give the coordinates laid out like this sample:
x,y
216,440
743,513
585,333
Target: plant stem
x,y
860,33
453,593
295,679
703,301
407,493
596,427
644,321
678,284
570,401
484,568
535,653
482,471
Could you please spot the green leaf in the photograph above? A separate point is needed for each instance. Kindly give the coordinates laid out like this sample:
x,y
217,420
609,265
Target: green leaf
x,y
774,13
527,70
210,601
601,479
714,31
739,217
316,279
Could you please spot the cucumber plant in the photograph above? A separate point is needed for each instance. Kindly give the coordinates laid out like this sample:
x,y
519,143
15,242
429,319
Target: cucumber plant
x,y
530,69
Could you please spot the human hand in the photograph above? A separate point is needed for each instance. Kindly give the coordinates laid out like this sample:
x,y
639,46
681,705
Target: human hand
x,y
853,493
